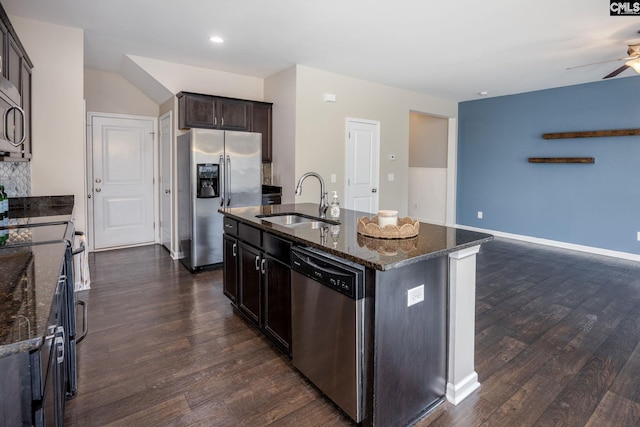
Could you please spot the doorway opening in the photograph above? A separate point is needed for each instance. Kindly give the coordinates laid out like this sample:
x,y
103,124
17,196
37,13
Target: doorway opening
x,y
431,168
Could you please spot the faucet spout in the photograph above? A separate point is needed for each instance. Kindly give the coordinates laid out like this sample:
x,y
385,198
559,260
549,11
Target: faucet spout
x,y
324,202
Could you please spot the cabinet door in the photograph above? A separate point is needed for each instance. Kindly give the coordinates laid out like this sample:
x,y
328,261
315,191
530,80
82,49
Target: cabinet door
x,y
197,111
13,63
4,38
25,99
234,114
277,302
230,273
261,123
249,283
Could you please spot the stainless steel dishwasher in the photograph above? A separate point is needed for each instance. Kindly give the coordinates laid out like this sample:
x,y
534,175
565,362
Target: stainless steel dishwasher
x,y
327,326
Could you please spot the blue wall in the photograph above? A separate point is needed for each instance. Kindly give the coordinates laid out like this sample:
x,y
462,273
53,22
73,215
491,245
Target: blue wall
x,y
594,205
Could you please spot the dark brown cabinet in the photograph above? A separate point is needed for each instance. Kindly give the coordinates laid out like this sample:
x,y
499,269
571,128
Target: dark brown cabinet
x,y
276,314
213,112
230,273
197,110
261,123
249,286
16,68
257,280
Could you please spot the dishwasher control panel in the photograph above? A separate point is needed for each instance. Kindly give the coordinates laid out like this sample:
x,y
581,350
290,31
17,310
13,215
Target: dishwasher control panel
x,y
332,273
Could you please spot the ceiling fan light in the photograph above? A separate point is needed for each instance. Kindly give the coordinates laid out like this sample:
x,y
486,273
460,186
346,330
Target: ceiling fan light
x,y
635,64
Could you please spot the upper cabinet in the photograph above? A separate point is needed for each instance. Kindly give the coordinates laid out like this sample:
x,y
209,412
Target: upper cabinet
x,y
261,123
197,110
15,93
213,112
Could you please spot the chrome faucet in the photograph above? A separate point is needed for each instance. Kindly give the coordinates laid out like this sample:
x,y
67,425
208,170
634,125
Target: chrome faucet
x,y
324,202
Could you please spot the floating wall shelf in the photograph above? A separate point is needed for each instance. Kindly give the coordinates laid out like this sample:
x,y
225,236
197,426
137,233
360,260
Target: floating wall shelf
x,y
584,160
591,134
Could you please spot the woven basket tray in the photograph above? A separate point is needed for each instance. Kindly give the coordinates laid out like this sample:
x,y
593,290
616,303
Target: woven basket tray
x,y
407,227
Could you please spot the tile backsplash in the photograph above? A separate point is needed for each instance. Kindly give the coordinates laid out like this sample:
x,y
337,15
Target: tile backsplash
x,y
16,177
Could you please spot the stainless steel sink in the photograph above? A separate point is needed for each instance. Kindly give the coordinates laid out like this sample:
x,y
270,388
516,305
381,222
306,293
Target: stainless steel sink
x,y
296,220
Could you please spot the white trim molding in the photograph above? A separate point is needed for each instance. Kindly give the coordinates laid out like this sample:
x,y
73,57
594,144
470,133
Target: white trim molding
x,y
462,378
556,243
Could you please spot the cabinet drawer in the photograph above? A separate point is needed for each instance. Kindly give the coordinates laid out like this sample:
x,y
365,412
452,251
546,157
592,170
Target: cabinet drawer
x,y
249,234
276,247
230,226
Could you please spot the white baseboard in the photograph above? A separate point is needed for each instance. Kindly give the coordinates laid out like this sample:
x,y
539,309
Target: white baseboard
x,y
456,393
556,244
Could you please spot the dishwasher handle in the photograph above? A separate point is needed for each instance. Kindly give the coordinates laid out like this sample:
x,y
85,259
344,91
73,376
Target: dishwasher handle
x,y
333,274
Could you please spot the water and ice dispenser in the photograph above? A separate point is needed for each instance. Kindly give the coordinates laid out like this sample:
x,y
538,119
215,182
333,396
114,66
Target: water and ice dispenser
x,y
208,180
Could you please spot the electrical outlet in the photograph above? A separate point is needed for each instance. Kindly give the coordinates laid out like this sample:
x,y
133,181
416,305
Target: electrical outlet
x,y
415,295
392,177
480,214
333,177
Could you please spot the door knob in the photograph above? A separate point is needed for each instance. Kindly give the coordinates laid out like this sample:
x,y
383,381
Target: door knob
x,y
167,191
374,190
98,180
98,190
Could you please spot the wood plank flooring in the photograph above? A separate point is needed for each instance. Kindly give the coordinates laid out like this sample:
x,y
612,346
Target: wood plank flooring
x,y
557,343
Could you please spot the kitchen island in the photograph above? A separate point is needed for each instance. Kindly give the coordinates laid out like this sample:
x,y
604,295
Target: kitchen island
x,y
416,323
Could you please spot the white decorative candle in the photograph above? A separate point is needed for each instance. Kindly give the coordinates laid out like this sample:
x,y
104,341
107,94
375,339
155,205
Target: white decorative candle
x,y
387,217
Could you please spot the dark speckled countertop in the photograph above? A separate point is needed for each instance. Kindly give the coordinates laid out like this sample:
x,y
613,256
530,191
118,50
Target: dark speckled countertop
x,y
344,241
29,273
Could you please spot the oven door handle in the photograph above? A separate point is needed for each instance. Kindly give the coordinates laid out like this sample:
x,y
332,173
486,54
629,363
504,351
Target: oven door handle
x,y
85,321
81,248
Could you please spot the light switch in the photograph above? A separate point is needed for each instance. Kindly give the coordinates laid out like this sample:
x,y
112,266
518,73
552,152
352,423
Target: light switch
x,y
333,177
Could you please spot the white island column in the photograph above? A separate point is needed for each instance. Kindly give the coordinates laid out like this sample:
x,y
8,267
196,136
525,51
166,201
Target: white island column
x,y
462,378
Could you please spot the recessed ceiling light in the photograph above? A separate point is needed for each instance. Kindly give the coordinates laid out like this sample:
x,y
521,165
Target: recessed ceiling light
x,y
216,39
483,93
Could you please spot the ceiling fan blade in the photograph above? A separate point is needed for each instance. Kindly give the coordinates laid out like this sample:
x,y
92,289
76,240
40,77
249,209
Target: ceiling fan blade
x,y
600,62
616,72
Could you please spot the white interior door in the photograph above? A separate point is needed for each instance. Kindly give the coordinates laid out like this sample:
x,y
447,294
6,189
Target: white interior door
x,y
165,181
122,186
363,165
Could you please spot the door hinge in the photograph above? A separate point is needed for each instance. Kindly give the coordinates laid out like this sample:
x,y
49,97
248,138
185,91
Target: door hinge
x,y
154,225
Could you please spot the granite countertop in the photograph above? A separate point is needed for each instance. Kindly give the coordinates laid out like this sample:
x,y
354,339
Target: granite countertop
x,y
40,208
344,241
28,279
29,273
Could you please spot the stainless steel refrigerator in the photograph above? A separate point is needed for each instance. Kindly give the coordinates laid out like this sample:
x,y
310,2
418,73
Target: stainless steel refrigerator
x,y
215,169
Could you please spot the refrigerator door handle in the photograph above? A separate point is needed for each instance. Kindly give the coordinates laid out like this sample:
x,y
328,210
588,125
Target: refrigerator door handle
x,y
223,174
228,172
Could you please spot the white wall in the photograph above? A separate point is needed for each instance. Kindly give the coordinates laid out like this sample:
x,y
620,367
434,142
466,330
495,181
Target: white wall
x,y
320,129
110,93
177,77
58,161
280,89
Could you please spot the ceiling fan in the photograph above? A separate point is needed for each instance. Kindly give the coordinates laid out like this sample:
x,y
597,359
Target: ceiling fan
x,y
632,61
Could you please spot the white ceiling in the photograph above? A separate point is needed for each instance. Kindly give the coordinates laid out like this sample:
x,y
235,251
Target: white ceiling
x,y
451,50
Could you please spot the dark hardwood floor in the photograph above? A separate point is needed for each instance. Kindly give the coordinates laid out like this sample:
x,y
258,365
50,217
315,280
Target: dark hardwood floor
x,y
557,343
